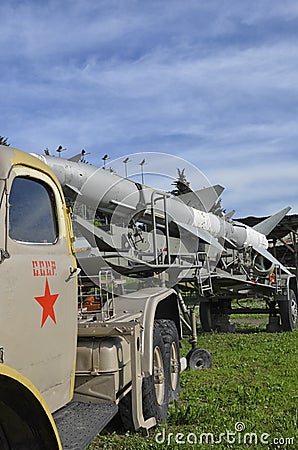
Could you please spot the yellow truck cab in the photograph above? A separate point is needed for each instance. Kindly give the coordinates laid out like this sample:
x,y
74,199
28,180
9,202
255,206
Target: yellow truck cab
x,y
38,288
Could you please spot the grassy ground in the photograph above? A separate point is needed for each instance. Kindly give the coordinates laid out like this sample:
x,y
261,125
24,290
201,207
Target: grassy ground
x,y
247,400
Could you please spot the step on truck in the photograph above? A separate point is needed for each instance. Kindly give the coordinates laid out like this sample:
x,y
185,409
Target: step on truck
x,y
67,369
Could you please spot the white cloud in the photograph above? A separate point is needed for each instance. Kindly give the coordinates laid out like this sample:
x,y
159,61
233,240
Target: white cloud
x,y
213,82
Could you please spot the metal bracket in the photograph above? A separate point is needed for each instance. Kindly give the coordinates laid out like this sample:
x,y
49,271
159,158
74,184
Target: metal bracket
x,y
3,255
1,355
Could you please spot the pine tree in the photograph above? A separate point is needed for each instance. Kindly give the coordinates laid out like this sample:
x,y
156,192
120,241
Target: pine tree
x,y
182,185
3,141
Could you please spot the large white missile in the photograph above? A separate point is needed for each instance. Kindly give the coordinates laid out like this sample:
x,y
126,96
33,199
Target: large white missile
x,y
123,198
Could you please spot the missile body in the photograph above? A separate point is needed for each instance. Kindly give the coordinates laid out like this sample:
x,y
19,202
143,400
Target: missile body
x,y
121,197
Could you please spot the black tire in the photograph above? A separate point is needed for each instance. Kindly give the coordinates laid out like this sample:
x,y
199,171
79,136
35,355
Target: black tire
x,y
199,358
172,368
155,387
288,312
214,318
205,316
24,423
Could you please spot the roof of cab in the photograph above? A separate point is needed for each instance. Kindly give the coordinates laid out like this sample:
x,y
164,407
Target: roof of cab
x,y
10,156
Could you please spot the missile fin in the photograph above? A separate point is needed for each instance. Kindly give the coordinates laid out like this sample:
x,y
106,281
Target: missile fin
x,y
271,258
75,158
95,236
201,234
202,199
266,226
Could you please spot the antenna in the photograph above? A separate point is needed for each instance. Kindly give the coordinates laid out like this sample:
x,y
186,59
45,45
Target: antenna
x,y
142,169
60,149
125,161
104,158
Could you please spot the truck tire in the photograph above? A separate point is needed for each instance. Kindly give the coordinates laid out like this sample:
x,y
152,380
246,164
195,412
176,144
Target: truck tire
x,y
171,340
155,387
24,422
288,312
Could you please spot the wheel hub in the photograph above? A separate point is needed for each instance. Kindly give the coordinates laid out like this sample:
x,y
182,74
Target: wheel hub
x,y
159,375
294,310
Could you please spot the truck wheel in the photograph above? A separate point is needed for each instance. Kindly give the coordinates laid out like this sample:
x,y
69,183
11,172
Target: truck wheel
x,y
171,340
206,316
199,358
3,440
24,423
155,388
288,310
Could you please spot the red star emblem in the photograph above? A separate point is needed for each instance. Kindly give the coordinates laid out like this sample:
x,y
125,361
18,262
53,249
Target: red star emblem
x,y
47,302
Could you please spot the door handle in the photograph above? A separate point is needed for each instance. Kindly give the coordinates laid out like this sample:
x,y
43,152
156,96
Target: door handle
x,y
73,272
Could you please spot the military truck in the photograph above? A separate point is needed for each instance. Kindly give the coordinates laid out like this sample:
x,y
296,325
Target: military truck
x,y
78,348
67,367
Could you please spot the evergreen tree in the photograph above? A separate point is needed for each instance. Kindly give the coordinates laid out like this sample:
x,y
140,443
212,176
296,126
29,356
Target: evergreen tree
x,y
182,185
3,141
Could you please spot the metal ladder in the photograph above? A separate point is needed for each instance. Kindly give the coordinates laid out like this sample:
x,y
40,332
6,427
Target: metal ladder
x,y
106,293
204,282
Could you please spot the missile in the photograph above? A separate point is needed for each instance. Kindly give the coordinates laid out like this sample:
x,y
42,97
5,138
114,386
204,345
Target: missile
x,y
125,200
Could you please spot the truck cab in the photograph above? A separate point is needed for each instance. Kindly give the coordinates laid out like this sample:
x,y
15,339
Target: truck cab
x,y
38,283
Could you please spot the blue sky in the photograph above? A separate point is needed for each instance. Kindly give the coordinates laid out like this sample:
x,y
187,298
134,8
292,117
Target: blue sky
x,y
212,81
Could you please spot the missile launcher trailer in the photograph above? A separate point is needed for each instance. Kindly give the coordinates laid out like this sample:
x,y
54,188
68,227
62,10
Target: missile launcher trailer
x,y
180,242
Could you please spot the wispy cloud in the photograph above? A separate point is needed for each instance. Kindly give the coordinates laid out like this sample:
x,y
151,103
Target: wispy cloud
x,y
214,82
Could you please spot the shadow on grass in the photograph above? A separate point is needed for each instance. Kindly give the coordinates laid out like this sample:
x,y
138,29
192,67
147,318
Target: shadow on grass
x,y
246,326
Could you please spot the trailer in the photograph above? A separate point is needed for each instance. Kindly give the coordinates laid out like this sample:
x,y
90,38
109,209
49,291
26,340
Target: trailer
x,y
184,242
278,296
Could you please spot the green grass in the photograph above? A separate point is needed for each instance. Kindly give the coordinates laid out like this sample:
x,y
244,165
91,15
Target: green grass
x,y
253,381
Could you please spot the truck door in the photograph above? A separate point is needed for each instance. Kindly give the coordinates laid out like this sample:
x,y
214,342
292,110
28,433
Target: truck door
x,y
38,311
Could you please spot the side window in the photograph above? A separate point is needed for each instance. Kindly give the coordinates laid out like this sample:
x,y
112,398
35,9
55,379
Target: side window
x,y
32,213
